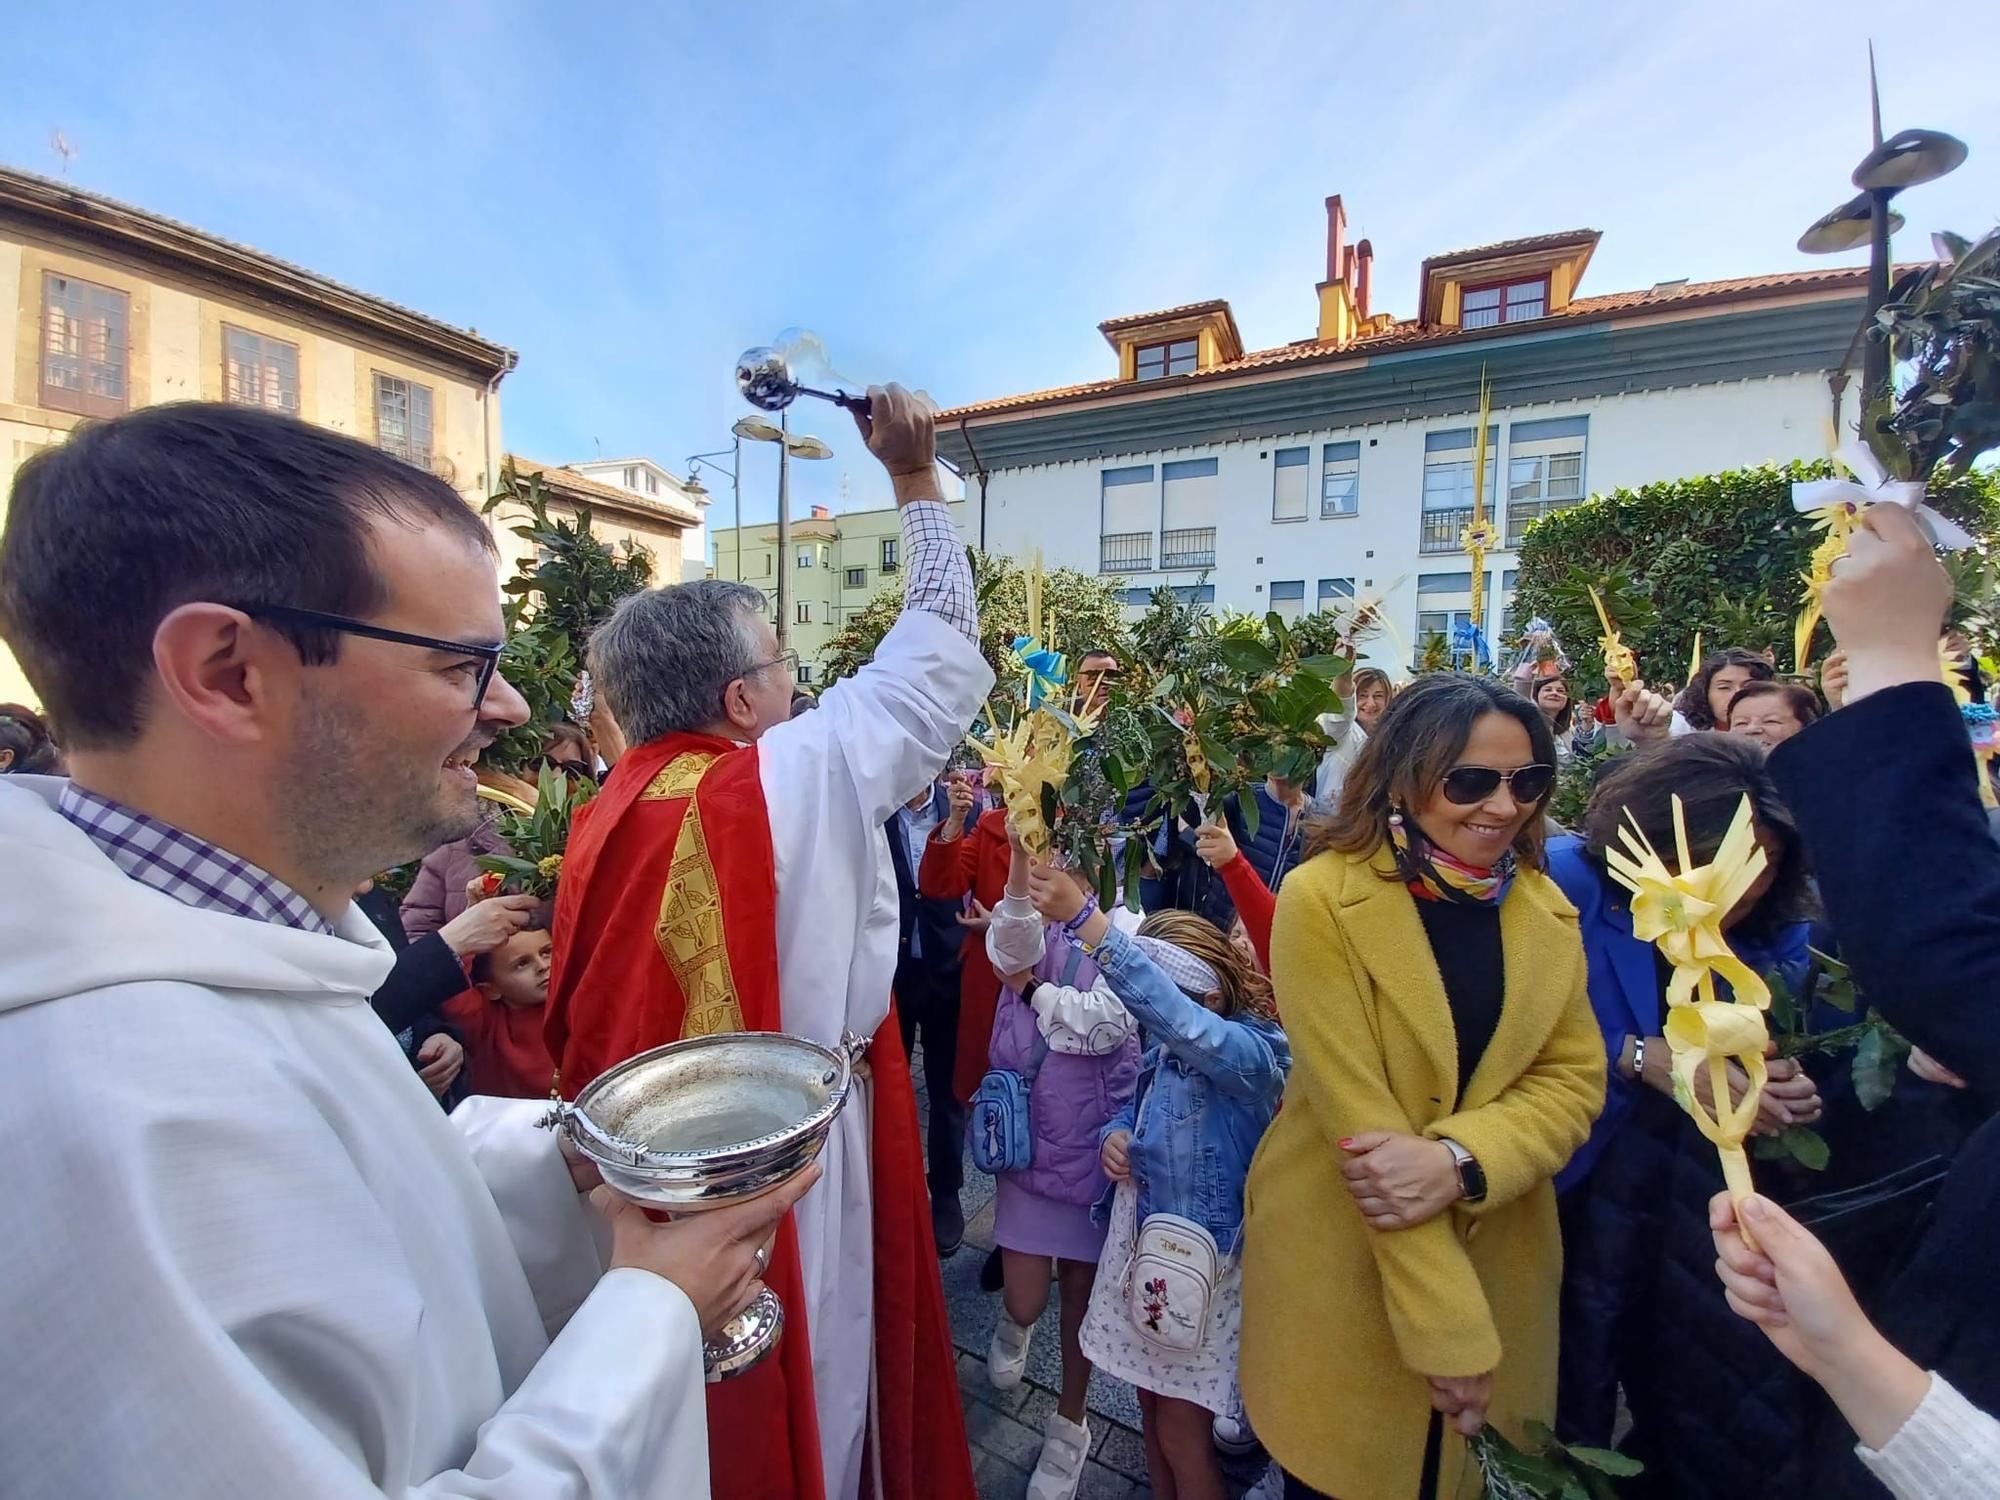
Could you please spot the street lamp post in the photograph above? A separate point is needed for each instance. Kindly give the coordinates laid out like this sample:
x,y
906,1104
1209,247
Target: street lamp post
x,y
1903,160
791,445
735,473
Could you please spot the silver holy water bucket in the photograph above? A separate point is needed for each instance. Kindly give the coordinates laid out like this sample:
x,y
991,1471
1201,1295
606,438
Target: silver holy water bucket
x,y
710,1121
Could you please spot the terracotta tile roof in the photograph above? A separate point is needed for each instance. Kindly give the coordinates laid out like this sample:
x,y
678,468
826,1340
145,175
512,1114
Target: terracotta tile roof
x,y
137,229
1412,333
1185,310
573,486
1516,247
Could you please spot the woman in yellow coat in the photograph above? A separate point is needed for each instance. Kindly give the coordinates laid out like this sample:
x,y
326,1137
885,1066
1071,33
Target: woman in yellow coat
x,y
1401,1260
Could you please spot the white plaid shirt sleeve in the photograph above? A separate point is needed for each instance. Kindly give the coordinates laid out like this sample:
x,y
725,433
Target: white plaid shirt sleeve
x,y
938,578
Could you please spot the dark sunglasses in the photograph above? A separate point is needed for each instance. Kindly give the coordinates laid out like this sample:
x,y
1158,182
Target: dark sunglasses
x,y
1467,785
488,655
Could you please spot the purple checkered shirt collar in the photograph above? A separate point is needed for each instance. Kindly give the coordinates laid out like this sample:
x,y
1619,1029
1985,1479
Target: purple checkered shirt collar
x,y
189,869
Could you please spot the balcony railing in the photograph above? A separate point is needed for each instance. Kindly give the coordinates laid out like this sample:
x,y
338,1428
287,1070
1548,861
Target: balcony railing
x,y
1440,528
1191,547
1126,552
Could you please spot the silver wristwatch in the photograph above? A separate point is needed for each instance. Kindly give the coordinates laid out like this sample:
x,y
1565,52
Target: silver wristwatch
x,y
1471,1176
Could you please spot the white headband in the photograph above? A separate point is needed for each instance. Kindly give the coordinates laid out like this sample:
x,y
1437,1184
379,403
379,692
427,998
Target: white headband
x,y
1189,974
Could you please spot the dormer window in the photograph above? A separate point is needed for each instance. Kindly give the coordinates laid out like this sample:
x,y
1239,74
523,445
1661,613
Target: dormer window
x,y
1155,361
1505,302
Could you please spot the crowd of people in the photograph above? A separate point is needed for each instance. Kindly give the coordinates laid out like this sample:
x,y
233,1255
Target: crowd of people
x,y
1353,1134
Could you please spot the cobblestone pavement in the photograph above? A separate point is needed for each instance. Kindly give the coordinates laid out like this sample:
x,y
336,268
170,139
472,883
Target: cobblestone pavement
x,y
1005,1427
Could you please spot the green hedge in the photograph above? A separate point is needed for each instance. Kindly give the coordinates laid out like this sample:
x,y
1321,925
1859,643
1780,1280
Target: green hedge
x,y
1724,554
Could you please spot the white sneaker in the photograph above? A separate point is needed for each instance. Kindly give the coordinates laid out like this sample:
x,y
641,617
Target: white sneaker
x,y
1007,1357
1065,1445
1270,1487
1233,1436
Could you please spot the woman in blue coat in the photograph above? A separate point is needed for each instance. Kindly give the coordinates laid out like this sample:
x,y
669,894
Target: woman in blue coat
x,y
1616,1188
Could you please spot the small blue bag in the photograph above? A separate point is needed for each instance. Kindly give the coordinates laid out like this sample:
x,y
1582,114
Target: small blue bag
x,y
996,1124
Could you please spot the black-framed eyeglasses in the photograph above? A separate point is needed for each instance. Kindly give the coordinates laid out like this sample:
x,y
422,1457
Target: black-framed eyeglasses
x,y
1467,785
488,655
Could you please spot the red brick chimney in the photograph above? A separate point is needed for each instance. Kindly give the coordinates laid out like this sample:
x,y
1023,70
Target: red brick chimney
x,y
1364,266
821,513
1336,239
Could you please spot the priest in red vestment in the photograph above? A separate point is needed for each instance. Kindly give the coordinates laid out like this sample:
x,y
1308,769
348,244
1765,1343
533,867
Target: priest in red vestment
x,y
733,875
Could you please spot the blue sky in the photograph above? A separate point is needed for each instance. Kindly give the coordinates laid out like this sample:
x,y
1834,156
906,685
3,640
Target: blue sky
x,y
955,195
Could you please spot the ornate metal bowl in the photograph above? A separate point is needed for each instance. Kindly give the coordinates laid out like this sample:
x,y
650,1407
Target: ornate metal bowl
x,y
710,1120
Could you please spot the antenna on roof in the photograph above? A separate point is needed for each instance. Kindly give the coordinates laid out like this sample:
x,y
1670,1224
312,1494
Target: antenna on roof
x,y
59,143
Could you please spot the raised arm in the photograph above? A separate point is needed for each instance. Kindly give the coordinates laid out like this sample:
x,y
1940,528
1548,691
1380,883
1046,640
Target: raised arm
x,y
1239,1059
881,734
1911,882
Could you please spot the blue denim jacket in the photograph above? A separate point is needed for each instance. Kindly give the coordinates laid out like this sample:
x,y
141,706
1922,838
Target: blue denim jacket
x,y
1208,1087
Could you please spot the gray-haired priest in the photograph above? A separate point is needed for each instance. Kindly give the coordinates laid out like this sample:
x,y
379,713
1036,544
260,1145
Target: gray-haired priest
x,y
733,875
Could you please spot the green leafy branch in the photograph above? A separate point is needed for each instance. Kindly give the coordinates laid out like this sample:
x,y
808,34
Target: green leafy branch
x,y
538,838
1548,1469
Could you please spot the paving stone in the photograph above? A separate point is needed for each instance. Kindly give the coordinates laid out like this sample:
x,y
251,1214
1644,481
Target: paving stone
x,y
994,1432
996,1479
1100,1483
1123,1450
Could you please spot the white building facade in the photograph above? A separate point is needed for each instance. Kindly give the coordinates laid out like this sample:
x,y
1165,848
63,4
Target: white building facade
x,y
643,477
1341,467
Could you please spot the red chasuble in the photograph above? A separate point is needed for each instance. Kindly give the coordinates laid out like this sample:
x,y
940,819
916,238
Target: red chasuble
x,y
665,928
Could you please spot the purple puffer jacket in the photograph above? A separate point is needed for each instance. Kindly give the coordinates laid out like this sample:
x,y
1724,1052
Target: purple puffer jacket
x,y
1071,1099
438,893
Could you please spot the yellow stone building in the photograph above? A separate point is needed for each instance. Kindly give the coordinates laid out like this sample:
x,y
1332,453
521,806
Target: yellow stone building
x,y
657,523
105,307
838,563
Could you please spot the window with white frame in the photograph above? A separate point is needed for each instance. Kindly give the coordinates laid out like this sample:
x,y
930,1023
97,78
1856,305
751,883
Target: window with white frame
x,y
631,477
403,419
805,673
805,557
857,578
1128,514
1189,489
1448,485
1291,469
1288,599
891,554
1333,590
652,483
803,615
258,370
1444,608
1544,470
1340,480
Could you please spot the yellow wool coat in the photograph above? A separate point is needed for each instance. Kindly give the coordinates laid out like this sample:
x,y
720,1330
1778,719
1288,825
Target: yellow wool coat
x,y
1341,1322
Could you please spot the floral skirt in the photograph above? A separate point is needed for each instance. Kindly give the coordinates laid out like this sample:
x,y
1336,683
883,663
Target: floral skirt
x,y
1205,1376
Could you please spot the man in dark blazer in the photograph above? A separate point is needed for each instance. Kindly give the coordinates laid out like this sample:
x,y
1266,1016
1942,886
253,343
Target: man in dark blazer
x,y
1885,793
927,977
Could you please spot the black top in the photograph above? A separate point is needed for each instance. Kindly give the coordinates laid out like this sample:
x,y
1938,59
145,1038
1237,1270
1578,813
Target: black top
x,y
1465,940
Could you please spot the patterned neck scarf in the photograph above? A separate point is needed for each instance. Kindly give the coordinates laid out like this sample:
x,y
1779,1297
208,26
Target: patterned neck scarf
x,y
1433,875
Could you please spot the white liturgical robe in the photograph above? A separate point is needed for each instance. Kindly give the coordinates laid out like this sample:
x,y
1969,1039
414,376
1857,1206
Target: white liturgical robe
x,y
831,780
246,1254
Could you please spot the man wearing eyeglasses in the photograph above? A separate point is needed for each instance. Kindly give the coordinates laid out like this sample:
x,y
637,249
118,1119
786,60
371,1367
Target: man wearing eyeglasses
x,y
246,1253
733,875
